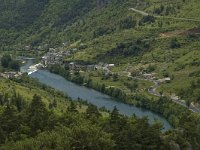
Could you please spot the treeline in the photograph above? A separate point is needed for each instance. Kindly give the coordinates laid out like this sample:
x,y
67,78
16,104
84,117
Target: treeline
x,y
191,93
177,115
9,64
15,99
127,49
35,127
125,23
170,110
168,9
32,83
78,79
184,121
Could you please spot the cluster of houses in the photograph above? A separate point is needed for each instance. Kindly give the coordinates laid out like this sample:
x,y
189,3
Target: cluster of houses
x,y
143,74
74,66
151,76
148,76
54,56
9,75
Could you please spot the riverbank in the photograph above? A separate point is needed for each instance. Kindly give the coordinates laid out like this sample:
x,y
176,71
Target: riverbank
x,y
130,127
163,106
99,99
170,111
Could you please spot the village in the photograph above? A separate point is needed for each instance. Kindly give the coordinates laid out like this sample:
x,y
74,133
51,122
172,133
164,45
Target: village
x,y
55,56
10,74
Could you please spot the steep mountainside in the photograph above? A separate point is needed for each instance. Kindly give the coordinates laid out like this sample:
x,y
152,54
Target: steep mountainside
x,y
53,22
109,30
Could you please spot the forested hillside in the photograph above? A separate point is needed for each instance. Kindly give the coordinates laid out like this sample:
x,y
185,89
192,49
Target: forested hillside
x,y
52,121
67,20
145,42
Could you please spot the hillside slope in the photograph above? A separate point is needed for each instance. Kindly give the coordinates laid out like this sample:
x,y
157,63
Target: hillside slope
x,y
164,44
51,22
110,32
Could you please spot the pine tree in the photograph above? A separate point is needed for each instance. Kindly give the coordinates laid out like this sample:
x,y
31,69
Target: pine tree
x,y
114,116
9,123
37,115
72,107
92,112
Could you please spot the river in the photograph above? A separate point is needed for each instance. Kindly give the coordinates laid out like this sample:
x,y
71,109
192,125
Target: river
x,y
99,99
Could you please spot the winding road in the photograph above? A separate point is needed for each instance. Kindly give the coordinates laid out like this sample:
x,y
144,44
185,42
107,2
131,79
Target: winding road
x,y
152,90
165,17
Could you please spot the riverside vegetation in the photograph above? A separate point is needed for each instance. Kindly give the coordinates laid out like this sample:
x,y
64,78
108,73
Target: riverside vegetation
x,y
51,121
101,31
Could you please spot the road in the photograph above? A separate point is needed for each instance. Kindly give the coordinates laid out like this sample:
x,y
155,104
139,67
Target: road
x,y
165,17
152,90
139,11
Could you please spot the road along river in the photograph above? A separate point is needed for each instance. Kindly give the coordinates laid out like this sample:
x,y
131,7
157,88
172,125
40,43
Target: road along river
x,y
99,99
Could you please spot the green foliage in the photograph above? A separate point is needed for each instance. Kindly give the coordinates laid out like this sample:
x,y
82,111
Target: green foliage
x,y
37,128
9,124
133,85
134,48
33,126
191,124
147,19
15,65
127,23
21,13
150,68
115,77
72,107
195,74
159,10
111,33
60,70
7,62
37,115
172,112
102,31
175,44
192,93
92,112
136,135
